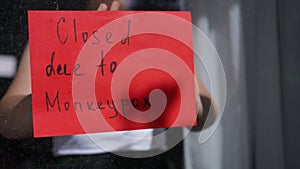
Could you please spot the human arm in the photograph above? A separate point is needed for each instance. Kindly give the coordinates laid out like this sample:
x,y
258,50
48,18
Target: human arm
x,y
204,106
15,106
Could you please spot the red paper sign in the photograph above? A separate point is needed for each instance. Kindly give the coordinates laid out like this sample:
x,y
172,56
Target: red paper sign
x,y
98,71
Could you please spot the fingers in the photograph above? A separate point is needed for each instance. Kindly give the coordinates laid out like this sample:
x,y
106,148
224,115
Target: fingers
x,y
102,7
115,5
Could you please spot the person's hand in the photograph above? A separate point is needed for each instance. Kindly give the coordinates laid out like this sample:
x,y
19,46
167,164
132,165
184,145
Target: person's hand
x,y
203,106
112,5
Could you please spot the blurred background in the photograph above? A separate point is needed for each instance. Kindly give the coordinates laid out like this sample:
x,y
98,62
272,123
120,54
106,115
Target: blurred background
x,y
259,46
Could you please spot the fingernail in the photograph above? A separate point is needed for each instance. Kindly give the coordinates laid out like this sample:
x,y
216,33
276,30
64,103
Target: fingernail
x,y
103,6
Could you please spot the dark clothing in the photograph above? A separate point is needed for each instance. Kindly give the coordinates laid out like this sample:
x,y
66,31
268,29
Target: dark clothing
x,y
111,161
